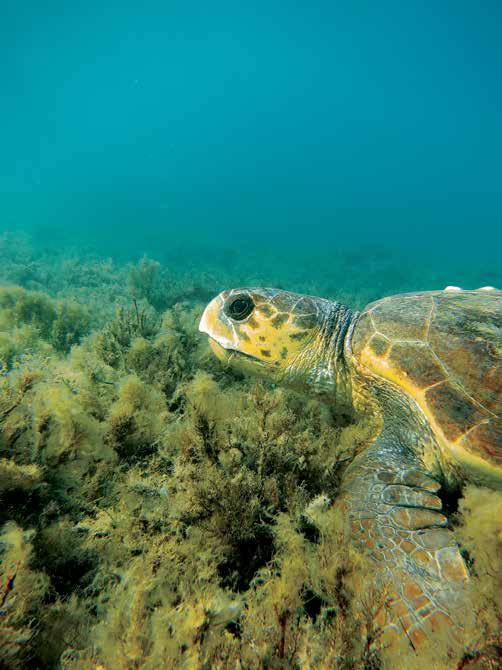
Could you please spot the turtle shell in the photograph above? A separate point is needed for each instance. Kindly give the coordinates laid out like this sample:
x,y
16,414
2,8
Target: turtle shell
x,y
444,348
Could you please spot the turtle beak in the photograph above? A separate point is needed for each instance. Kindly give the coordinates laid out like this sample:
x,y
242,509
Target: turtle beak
x,y
210,317
220,352
212,326
207,318
215,324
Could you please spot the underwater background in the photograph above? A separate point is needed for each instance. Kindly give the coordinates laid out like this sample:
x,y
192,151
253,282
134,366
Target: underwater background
x,y
267,137
152,155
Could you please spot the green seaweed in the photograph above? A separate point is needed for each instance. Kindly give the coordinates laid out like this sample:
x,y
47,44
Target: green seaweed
x,y
159,511
34,322
22,592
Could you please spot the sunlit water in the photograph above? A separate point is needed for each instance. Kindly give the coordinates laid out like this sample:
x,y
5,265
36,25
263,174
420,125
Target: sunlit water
x,y
348,149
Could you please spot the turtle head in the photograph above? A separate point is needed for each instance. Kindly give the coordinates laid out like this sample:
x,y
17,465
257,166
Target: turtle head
x,y
284,336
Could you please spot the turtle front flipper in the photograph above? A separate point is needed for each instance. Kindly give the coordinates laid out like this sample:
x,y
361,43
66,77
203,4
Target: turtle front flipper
x,y
396,516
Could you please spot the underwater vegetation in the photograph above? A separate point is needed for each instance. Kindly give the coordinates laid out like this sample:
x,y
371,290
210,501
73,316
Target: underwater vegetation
x,y
160,511
31,321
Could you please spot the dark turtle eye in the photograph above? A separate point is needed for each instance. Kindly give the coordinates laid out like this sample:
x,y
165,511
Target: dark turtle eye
x,y
239,307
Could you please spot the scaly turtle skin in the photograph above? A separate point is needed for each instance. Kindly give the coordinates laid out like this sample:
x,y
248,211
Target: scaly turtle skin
x,y
429,368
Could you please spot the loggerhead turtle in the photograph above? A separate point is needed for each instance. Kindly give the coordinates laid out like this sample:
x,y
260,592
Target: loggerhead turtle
x,y
429,367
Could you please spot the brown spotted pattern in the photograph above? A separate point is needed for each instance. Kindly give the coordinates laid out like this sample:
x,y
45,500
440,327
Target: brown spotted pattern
x,y
396,515
275,333
445,350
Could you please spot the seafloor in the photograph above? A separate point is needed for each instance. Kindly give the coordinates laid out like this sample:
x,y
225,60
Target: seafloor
x,y
141,525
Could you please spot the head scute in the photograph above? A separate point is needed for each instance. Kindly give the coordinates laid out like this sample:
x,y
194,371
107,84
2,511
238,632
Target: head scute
x,y
291,338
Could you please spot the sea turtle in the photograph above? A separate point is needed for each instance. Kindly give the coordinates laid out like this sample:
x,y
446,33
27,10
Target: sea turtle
x,y
428,366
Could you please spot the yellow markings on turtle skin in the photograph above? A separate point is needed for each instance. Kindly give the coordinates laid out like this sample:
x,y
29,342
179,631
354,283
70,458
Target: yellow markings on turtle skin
x,y
451,451
271,334
264,309
380,344
481,471
279,320
242,334
454,451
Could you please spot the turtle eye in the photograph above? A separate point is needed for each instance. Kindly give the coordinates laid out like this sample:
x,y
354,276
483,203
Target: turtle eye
x,y
239,307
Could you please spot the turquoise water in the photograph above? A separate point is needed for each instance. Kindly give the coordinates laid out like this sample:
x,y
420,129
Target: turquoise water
x,y
350,147
159,509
